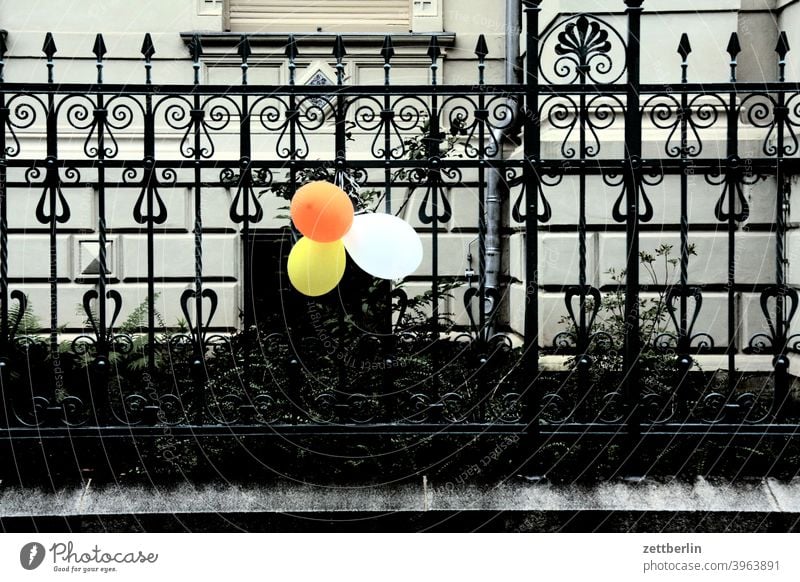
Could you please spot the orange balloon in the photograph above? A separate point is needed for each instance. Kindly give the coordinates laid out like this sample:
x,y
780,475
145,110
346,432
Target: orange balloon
x,y
322,211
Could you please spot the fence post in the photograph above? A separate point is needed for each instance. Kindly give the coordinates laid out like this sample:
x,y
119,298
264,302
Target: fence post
x,y
244,190
99,389
433,153
532,152
51,213
341,179
782,309
726,211
5,339
633,162
147,196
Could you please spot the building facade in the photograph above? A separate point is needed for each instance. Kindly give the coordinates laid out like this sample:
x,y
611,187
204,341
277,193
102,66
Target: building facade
x,y
362,25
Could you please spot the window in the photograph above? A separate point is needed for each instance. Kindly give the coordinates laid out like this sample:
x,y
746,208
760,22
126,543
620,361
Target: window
x,y
318,15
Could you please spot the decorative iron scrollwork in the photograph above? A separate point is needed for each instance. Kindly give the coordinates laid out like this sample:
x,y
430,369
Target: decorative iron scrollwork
x,y
245,204
52,205
684,341
666,112
85,114
465,120
776,300
150,186
567,340
21,112
514,178
583,45
641,180
435,202
735,175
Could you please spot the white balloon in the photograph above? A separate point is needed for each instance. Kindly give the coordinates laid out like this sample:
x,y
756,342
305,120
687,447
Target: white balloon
x,y
384,245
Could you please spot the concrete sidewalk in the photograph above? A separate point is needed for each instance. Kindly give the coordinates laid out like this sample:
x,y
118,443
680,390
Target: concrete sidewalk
x,y
764,495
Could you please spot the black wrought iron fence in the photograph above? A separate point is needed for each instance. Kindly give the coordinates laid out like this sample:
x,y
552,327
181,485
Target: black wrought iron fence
x,y
289,369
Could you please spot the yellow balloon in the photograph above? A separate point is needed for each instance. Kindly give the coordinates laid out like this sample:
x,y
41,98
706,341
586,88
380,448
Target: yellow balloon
x,y
315,268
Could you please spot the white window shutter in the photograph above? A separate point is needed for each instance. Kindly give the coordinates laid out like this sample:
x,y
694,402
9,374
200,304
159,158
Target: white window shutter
x,y
327,15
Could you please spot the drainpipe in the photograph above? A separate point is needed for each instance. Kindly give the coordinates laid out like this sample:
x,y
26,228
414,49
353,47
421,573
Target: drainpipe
x,y
494,200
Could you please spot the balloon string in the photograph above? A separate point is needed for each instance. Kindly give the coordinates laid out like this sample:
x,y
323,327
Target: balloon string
x,y
339,180
355,188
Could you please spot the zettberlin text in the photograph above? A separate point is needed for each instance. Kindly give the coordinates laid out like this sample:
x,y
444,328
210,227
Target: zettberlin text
x,y
670,549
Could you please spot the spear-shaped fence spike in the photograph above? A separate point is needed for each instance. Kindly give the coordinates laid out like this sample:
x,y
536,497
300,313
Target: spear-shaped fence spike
x,y
339,52
291,54
49,46
734,48
434,52
148,50
196,48
99,48
387,50
244,48
684,46
783,45
49,49
481,50
3,43
338,48
3,50
291,49
244,53
782,48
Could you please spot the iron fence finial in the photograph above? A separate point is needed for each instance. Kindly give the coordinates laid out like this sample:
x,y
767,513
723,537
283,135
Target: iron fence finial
x,y
148,50
291,48
481,50
244,53
196,48
338,48
782,48
49,46
684,46
338,52
387,50
244,49
99,48
434,51
734,48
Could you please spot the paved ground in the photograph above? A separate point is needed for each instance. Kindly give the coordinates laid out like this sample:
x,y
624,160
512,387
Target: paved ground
x,y
756,496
